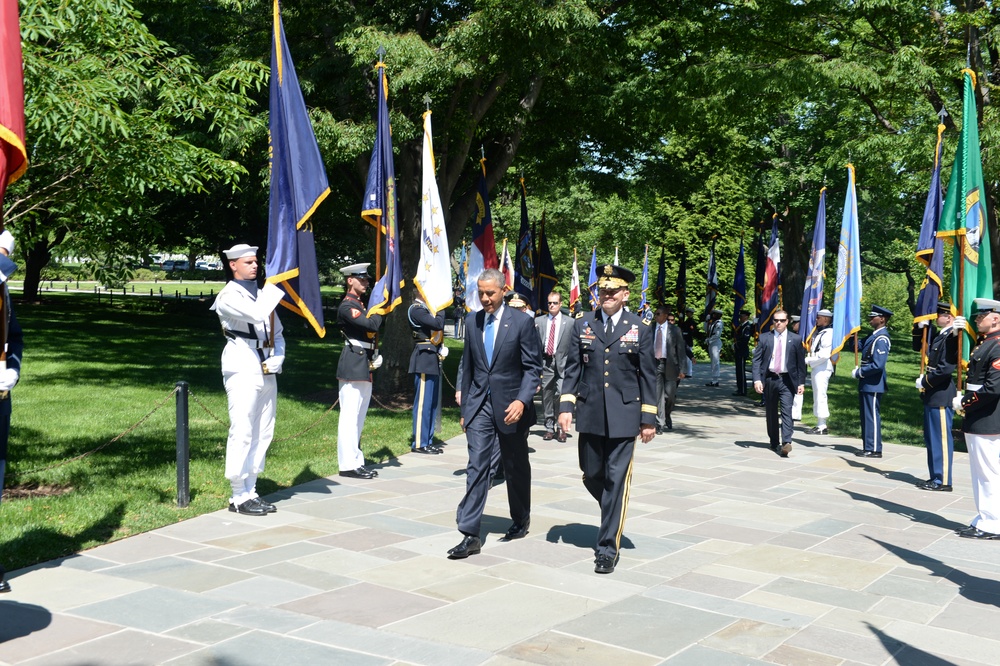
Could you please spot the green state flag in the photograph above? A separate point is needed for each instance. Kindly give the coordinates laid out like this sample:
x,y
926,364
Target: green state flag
x,y
963,219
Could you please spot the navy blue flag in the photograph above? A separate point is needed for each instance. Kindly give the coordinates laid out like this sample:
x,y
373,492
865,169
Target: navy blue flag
x,y
711,283
680,290
644,308
758,290
524,265
929,248
379,205
547,279
739,287
660,291
812,297
298,185
592,281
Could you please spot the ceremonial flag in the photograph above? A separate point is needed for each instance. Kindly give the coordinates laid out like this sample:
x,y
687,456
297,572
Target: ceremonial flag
x,y
298,185
660,292
643,302
616,256
574,285
812,297
758,293
483,252
929,247
463,268
507,267
547,280
711,282
847,295
524,269
433,279
592,281
13,155
680,290
739,287
380,203
963,219
770,298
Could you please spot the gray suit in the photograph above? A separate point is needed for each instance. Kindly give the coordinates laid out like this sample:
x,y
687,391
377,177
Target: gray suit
x,y
668,370
554,366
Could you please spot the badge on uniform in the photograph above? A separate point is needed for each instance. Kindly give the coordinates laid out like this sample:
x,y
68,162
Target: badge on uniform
x,y
631,337
355,313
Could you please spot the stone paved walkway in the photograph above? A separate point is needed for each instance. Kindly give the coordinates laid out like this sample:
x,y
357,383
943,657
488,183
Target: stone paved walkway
x,y
731,555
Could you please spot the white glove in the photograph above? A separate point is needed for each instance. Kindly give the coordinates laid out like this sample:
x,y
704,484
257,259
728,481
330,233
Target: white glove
x,y
8,379
919,383
856,372
376,362
923,323
956,403
443,353
272,366
960,325
7,245
810,359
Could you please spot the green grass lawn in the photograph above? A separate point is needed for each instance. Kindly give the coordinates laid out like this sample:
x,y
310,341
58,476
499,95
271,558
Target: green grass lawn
x,y
93,370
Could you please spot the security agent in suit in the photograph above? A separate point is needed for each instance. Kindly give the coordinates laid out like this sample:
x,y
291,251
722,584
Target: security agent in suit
x,y
425,366
251,361
871,381
798,398
937,391
981,425
555,332
10,369
821,369
779,372
668,350
741,349
502,364
354,371
611,383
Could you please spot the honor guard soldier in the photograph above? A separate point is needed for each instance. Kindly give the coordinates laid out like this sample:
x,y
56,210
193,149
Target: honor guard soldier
x,y
937,391
981,425
425,366
10,360
821,368
354,371
251,361
741,349
871,381
611,384
713,340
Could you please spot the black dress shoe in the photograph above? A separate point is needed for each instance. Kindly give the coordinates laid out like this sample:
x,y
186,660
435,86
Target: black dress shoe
x,y
471,545
604,564
270,508
548,436
252,507
775,447
933,485
864,453
517,531
360,473
561,437
659,430
427,450
976,533
4,585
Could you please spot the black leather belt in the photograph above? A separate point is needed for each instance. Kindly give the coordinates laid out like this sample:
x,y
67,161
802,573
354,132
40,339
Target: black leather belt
x,y
775,375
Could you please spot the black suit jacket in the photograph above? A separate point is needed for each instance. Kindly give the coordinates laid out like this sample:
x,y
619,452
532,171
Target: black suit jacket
x,y
513,373
795,357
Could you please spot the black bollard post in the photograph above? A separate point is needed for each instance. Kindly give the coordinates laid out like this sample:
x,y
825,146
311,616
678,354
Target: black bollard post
x,y
183,447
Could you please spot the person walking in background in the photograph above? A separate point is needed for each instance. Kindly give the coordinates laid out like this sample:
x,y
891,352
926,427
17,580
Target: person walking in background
x,y
689,329
741,350
555,331
872,381
779,372
713,339
821,368
668,350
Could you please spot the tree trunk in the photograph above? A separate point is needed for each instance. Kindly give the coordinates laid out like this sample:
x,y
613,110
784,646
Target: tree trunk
x,y
38,256
794,260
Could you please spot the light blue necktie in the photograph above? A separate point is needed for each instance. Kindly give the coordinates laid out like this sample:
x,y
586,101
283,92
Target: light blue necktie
x,y
488,338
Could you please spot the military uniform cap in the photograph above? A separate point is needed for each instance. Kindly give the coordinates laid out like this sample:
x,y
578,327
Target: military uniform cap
x,y
356,270
824,313
879,311
689,310
515,300
239,251
745,312
614,277
986,305
944,307
717,311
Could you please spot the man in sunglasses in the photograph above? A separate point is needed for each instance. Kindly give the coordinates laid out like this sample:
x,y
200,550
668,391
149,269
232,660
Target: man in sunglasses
x,y
555,331
779,372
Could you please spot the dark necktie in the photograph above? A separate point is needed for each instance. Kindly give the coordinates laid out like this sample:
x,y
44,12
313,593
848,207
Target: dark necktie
x,y
608,327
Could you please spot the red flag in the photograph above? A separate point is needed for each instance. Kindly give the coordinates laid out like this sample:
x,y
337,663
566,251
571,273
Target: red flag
x,y
13,156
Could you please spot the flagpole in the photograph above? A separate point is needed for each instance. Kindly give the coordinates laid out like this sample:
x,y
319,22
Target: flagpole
x,y
961,304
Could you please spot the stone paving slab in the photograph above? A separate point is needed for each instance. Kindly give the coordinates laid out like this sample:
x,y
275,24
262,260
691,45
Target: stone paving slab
x,y
731,555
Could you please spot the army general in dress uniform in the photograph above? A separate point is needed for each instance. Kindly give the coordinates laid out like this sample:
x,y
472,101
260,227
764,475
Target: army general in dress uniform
x,y
354,371
611,383
871,381
425,366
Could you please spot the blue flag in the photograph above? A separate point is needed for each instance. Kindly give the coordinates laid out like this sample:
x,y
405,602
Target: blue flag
x,y
644,301
930,251
298,185
547,280
592,281
758,291
524,266
812,297
711,283
739,287
379,205
847,296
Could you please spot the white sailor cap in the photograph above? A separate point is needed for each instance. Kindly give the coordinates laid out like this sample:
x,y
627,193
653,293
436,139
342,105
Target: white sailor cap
x,y
356,270
824,313
985,305
239,251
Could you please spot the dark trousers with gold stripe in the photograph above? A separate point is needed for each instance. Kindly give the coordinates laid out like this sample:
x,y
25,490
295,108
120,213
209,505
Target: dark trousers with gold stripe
x,y
939,443
607,472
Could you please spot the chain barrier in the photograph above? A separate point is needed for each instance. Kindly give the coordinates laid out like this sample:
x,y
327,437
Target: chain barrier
x,y
138,423
274,441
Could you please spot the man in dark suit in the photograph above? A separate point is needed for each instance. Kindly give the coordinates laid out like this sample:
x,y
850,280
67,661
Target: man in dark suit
x,y
937,391
502,364
611,382
872,381
555,331
779,372
668,350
